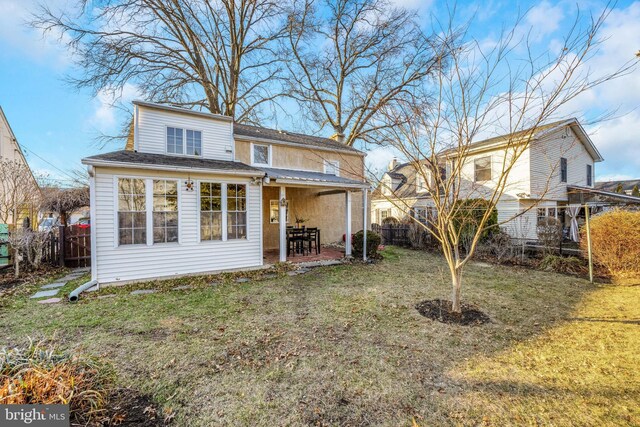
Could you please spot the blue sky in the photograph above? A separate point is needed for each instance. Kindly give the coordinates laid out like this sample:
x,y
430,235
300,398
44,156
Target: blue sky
x,y
58,125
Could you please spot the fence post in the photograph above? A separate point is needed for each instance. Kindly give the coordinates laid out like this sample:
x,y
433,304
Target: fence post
x,y
61,245
588,227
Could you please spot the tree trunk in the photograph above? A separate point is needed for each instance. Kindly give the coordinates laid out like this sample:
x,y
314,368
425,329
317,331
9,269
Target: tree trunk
x,y
16,268
456,281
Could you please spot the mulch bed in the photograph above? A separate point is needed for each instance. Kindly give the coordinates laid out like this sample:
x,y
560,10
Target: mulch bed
x,y
127,407
440,310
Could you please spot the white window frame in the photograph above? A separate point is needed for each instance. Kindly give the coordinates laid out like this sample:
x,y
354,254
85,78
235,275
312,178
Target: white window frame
x,y
490,169
184,141
420,179
335,164
387,183
269,154
223,189
177,206
148,203
277,204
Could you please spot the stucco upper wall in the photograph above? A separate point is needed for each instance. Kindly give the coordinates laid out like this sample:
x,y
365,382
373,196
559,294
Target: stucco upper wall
x,y
288,157
150,131
545,164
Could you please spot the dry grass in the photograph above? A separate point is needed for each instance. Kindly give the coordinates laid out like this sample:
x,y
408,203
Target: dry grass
x,y
37,373
345,346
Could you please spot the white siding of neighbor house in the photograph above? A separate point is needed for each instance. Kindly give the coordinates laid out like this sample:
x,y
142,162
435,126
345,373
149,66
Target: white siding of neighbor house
x,y
151,134
545,164
137,262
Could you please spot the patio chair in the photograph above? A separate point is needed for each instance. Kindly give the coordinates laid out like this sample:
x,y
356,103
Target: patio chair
x,y
312,239
296,241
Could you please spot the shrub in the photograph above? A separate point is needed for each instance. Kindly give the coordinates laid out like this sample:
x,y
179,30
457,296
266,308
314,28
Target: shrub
x,y
500,245
417,235
561,264
390,220
615,243
373,241
38,374
549,233
467,218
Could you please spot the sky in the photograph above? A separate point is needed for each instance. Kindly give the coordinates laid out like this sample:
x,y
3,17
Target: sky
x,y
57,125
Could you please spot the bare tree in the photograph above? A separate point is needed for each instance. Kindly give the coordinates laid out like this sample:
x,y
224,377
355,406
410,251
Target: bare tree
x,y
484,93
19,191
351,58
214,55
64,201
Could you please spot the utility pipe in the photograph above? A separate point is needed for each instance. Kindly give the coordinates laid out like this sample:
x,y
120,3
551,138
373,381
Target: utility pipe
x,y
75,294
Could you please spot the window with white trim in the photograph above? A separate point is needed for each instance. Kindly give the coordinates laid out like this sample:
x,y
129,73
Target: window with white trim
x,y
260,155
185,142
482,170
236,211
165,211
421,184
589,175
132,211
274,211
332,167
210,211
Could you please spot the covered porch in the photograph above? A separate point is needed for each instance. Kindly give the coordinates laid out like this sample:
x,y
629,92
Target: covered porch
x,y
322,212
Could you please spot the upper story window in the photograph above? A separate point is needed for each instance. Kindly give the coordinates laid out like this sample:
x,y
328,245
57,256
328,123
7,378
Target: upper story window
x,y
563,169
332,167
261,154
421,184
589,175
386,186
132,211
165,211
482,166
185,142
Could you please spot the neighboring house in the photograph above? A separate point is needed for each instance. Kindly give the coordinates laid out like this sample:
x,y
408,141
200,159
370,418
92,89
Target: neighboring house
x,y
558,164
626,186
195,192
10,150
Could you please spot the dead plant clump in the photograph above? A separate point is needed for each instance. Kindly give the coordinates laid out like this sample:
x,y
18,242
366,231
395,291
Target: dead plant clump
x,y
563,265
38,374
615,243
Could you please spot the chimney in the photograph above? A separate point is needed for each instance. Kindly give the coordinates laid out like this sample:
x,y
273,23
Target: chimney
x,y
338,137
392,164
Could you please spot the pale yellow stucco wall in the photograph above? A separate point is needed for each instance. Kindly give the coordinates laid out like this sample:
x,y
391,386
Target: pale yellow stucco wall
x,y
326,212
287,157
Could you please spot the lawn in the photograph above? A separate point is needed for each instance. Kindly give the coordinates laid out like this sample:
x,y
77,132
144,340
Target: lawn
x,y
344,345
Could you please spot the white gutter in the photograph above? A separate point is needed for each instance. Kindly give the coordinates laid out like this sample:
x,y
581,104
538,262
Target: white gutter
x,y
107,163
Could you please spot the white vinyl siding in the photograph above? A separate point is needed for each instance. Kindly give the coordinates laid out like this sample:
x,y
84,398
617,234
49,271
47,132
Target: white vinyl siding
x,y
116,263
152,132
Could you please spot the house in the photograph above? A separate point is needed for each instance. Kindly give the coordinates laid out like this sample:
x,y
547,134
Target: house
x,y
553,171
195,192
28,191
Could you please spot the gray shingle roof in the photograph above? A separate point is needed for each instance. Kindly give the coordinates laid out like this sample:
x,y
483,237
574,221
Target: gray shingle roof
x,y
289,137
306,176
135,158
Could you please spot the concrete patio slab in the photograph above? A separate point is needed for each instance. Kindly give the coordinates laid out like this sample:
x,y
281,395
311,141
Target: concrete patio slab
x,y
144,292
50,301
55,285
43,294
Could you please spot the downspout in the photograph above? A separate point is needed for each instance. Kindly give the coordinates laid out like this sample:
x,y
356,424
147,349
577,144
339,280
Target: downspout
x,y
75,294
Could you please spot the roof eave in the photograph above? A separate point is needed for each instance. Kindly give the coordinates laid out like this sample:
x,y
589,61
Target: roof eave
x,y
293,144
133,165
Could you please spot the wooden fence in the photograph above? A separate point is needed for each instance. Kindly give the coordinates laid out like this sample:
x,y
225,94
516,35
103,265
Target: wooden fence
x,y
393,234
74,246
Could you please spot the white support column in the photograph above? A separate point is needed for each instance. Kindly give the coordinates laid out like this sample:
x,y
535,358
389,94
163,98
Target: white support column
x,y
365,211
347,233
282,221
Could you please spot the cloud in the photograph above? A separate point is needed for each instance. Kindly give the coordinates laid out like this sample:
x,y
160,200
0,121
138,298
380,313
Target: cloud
x,y
107,104
617,140
16,34
378,159
543,19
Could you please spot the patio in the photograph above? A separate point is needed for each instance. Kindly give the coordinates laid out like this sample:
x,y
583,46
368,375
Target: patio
x,y
327,253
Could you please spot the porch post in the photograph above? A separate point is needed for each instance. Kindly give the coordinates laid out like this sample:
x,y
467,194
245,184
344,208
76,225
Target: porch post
x,y
365,211
347,233
282,221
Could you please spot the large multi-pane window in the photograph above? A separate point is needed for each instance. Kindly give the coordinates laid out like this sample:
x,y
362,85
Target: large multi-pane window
x,y
165,211
132,212
482,169
236,211
181,141
210,211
